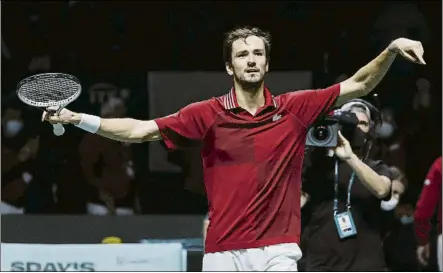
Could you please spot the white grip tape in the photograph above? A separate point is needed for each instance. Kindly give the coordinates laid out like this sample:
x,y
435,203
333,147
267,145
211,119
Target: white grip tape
x,y
89,123
58,129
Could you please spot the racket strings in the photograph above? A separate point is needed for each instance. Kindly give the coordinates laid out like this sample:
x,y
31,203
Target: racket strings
x,y
46,90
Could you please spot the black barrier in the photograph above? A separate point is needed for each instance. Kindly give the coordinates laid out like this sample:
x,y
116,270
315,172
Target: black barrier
x,y
85,229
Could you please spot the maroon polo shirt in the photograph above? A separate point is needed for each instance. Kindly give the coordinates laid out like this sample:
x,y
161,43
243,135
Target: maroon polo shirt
x,y
251,163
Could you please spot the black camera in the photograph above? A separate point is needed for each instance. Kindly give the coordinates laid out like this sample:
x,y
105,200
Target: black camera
x,y
325,132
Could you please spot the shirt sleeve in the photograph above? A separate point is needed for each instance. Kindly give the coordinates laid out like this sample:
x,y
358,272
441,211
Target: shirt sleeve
x,y
186,127
308,105
427,203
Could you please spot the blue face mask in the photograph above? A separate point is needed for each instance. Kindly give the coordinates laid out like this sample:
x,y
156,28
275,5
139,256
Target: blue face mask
x,y
407,220
13,127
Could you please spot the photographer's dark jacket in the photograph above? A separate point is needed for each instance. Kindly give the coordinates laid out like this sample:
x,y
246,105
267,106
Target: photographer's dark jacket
x,y
322,248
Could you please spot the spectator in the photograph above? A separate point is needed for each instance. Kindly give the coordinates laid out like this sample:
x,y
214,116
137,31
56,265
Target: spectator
x,y
107,166
391,140
398,186
392,230
422,98
18,156
399,244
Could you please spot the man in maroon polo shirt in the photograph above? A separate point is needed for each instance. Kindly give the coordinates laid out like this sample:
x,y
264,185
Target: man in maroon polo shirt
x,y
430,200
252,150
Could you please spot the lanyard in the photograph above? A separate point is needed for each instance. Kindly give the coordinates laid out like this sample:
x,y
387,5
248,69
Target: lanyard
x,y
351,181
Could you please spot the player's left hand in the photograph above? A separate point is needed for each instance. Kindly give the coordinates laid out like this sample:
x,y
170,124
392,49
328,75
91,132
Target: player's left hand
x,y
423,254
411,50
343,150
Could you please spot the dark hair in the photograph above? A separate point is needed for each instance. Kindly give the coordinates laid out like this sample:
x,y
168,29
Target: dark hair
x,y
399,175
243,33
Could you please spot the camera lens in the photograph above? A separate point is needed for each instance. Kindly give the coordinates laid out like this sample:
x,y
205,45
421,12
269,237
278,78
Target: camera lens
x,y
321,133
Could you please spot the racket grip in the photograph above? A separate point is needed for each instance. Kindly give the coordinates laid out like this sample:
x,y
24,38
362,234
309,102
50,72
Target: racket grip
x,y
58,129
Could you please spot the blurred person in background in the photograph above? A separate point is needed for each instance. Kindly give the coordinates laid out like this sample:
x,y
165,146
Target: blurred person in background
x,y
394,226
423,114
399,244
108,169
399,184
19,149
424,121
422,98
390,143
429,202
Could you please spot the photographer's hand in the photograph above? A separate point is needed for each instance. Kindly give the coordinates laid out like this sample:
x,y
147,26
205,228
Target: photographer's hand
x,y
343,150
379,185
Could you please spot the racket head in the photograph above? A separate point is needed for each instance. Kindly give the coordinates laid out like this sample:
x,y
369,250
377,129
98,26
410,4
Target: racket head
x,y
49,89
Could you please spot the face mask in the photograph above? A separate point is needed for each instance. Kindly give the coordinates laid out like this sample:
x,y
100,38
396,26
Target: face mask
x,y
407,220
358,139
385,130
13,127
389,205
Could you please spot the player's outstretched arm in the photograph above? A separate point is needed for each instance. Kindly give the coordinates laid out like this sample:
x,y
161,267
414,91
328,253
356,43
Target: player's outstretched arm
x,y
120,129
368,77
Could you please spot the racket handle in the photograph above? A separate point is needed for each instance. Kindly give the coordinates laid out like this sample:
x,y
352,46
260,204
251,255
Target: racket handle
x,y
58,129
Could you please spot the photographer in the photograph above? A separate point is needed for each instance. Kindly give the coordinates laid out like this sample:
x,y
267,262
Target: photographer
x,y
345,191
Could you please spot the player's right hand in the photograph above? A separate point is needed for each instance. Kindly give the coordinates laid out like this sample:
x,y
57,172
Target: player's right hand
x,y
65,116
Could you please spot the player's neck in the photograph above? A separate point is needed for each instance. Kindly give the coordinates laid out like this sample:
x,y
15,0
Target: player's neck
x,y
250,99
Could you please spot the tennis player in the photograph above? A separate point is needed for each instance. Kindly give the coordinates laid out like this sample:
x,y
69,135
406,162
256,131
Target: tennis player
x,y
253,147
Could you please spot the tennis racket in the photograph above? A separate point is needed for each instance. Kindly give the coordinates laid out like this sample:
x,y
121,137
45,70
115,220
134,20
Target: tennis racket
x,y
49,89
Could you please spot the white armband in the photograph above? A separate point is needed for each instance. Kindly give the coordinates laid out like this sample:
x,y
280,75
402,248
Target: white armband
x,y
89,123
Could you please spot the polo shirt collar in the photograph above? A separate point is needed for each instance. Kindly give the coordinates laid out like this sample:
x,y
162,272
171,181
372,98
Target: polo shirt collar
x,y
230,100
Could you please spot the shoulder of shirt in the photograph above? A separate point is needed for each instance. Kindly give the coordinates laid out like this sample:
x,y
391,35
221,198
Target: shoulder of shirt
x,y
284,97
204,104
209,107
296,93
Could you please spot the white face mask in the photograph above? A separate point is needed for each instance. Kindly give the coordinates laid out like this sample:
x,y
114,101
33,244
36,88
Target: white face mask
x,y
13,127
385,130
407,220
389,205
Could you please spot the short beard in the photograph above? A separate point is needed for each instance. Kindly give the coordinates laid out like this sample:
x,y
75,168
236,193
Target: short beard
x,y
248,86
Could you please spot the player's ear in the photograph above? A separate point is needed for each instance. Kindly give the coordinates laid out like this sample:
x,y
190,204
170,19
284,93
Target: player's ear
x,y
229,69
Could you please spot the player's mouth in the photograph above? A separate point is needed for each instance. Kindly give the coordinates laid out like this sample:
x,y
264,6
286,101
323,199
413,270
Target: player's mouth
x,y
252,70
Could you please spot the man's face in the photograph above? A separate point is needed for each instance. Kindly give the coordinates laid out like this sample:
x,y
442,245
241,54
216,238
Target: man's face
x,y
249,63
363,121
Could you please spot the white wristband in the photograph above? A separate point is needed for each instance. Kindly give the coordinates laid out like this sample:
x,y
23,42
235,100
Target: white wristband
x,y
89,123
